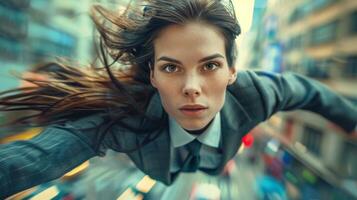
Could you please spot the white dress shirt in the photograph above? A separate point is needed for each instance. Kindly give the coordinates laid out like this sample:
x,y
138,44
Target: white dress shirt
x,y
210,139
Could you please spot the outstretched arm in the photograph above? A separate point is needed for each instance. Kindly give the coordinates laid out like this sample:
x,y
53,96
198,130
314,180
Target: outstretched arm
x,y
24,164
292,91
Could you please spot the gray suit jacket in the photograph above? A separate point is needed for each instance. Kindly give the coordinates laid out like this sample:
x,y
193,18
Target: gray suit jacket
x,y
252,99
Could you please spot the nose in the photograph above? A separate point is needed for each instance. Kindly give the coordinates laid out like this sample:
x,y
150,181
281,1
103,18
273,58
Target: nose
x,y
191,86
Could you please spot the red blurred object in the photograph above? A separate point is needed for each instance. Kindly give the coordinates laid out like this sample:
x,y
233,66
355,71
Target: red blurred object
x,y
248,140
68,197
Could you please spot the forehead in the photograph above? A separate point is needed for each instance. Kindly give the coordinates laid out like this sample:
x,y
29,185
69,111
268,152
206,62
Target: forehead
x,y
190,40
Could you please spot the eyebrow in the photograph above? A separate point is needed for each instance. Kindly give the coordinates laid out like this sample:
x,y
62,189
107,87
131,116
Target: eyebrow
x,y
165,58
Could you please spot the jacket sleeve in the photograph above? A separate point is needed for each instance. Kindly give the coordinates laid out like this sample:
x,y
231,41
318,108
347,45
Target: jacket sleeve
x,y
289,91
49,155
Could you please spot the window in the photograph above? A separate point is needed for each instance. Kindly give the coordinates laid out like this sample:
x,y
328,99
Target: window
x,y
351,67
353,25
348,161
325,33
312,139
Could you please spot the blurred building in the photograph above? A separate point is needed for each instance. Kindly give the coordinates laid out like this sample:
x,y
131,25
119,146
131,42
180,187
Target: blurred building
x,y
38,30
317,39
34,31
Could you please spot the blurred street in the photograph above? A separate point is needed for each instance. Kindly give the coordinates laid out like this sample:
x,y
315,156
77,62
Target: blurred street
x,y
294,155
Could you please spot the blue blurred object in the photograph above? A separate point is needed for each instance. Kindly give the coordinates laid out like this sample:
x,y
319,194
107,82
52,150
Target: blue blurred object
x,y
287,159
270,188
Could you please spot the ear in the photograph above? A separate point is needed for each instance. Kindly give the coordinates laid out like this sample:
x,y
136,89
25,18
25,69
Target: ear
x,y
233,75
152,78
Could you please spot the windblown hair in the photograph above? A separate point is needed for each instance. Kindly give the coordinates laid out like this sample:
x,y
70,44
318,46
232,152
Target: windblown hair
x,y
126,40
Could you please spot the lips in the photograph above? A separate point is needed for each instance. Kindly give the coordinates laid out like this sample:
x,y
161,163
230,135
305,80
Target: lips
x,y
193,110
193,107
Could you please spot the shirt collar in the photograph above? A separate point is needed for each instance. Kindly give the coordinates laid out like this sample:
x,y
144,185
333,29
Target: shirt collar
x,y
211,136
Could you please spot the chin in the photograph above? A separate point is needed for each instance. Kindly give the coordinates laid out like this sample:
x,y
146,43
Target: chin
x,y
193,126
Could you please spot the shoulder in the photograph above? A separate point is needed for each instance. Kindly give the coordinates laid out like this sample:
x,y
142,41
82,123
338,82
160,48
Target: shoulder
x,y
85,127
263,80
247,80
248,94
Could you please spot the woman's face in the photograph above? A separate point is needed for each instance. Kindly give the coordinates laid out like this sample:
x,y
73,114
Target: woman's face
x,y
191,73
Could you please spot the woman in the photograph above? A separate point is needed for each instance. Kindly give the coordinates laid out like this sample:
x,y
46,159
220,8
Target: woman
x,y
177,106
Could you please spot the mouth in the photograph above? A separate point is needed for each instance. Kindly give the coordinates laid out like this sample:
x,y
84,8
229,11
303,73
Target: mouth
x,y
193,110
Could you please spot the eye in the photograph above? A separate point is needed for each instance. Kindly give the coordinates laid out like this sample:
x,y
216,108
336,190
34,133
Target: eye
x,y
170,68
211,66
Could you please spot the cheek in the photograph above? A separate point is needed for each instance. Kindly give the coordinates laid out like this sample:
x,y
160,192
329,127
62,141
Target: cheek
x,y
216,84
168,102
216,91
167,92
219,96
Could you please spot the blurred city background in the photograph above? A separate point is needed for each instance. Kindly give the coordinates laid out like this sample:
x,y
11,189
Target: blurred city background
x,y
295,155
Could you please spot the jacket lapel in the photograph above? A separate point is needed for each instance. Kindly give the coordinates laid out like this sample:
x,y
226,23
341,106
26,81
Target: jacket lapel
x,y
156,154
234,120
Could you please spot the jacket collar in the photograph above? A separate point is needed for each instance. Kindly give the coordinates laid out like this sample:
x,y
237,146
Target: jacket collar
x,y
156,154
234,118
210,137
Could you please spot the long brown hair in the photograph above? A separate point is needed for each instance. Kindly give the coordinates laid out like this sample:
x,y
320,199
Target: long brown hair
x,y
126,39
